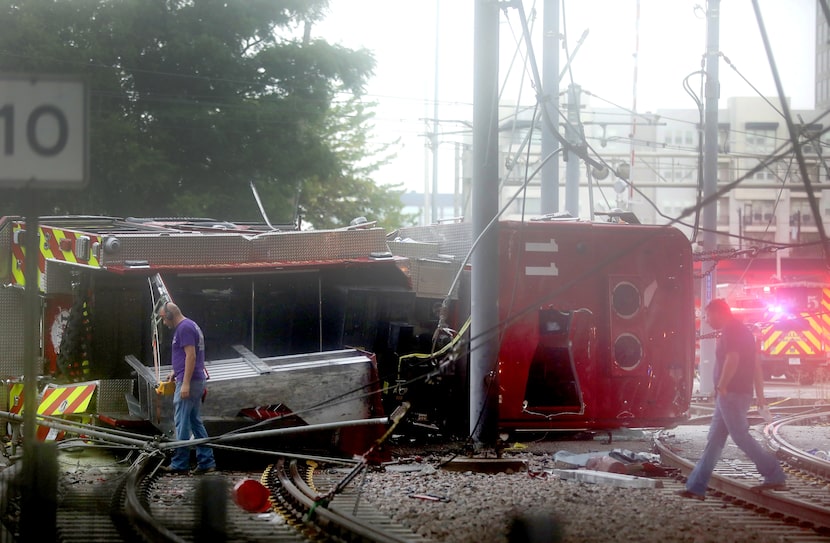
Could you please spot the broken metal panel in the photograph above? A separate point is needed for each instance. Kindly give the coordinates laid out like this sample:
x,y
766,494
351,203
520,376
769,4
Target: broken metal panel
x,y
300,382
414,249
434,278
453,239
318,245
436,252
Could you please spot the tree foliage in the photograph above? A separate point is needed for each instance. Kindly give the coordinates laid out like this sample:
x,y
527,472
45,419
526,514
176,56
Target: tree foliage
x,y
191,101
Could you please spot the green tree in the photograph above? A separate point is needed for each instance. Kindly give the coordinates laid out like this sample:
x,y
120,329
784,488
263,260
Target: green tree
x,y
193,100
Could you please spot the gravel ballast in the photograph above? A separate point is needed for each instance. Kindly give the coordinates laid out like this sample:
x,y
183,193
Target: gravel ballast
x,y
470,507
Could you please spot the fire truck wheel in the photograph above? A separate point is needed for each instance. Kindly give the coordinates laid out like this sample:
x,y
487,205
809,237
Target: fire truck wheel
x,y
802,377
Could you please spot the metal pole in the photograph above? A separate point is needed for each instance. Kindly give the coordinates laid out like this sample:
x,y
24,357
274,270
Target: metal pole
x,y
292,430
456,198
434,137
38,510
484,260
710,186
31,316
574,137
549,174
634,105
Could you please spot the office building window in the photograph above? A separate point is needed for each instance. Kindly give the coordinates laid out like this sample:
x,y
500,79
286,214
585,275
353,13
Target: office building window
x,y
760,140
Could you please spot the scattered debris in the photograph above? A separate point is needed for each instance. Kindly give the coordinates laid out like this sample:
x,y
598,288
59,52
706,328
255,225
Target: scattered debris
x,y
430,497
613,479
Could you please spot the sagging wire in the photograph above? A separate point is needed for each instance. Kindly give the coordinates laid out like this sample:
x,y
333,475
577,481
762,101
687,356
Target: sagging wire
x,y
452,345
774,108
565,43
792,132
700,109
753,87
516,53
818,144
783,151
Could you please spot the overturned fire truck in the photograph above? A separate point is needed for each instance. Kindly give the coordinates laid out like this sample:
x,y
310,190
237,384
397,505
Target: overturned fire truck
x,y
322,326
596,322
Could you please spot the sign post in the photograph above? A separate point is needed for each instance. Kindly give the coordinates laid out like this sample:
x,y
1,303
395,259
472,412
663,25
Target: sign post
x,y
43,144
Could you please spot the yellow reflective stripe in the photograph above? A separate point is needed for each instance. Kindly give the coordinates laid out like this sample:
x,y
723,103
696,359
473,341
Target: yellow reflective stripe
x,y
15,398
50,246
65,400
812,340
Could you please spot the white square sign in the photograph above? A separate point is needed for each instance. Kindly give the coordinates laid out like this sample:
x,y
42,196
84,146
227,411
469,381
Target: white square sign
x,y
43,131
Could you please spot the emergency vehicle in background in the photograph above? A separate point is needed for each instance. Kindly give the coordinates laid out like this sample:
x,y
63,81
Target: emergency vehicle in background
x,y
790,317
597,322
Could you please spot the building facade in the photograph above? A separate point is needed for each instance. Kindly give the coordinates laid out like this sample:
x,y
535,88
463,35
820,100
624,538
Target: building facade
x,y
653,168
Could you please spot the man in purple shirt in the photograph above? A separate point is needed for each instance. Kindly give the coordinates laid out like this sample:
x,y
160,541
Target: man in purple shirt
x,y
736,373
188,358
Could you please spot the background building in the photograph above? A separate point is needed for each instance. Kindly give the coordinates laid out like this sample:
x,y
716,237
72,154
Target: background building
x,y
654,170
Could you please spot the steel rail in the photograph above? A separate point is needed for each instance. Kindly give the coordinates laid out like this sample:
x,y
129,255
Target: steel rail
x,y
138,515
780,503
793,454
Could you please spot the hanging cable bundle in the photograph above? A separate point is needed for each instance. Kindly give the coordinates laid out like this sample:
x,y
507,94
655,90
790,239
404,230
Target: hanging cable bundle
x,y
73,358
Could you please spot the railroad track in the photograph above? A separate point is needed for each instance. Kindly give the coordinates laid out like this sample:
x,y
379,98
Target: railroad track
x,y
308,502
804,506
306,490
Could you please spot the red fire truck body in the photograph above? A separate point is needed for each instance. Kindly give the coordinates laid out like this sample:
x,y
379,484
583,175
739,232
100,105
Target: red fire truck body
x,y
598,325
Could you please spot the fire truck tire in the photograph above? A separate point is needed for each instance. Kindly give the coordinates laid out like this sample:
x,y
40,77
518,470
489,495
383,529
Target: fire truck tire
x,y
802,377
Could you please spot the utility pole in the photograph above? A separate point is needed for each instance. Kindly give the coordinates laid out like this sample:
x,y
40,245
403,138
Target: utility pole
x,y
434,137
550,85
710,187
484,386
574,137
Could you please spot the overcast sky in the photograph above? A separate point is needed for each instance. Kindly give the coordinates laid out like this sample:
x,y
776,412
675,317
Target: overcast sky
x,y
670,44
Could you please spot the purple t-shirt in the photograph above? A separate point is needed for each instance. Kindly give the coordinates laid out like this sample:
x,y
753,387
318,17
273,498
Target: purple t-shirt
x,y
736,337
188,333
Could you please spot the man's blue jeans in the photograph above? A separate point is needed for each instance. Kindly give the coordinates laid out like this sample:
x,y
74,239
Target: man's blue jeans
x,y
188,418
729,420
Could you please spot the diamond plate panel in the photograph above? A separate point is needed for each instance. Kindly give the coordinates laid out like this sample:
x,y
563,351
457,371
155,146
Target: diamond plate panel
x,y
58,278
11,334
112,395
6,251
4,396
180,249
319,245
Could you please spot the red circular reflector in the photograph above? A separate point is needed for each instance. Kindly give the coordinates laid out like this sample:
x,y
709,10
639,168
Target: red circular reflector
x,y
251,495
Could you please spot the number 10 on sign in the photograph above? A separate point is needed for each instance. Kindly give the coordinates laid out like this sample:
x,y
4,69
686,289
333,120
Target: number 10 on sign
x,y
43,132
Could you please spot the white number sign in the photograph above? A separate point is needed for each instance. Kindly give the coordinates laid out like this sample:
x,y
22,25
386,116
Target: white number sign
x,y
43,132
